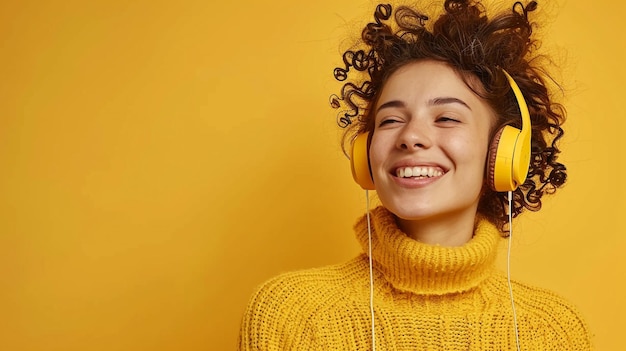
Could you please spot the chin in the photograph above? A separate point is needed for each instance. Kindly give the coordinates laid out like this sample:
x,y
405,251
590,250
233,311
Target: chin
x,y
428,211
412,213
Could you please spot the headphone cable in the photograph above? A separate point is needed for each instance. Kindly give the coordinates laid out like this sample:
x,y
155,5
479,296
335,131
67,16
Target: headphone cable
x,y
369,234
508,271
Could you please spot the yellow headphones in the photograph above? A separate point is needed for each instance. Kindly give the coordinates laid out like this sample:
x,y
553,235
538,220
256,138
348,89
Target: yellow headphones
x,y
507,163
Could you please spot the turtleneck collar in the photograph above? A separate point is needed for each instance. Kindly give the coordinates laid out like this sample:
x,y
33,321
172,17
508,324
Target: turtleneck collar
x,y
412,266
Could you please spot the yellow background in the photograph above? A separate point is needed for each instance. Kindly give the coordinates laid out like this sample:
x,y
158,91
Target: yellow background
x,y
158,160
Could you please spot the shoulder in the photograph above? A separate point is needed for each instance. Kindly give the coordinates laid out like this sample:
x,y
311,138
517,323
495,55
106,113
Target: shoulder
x,y
281,312
556,316
328,280
546,302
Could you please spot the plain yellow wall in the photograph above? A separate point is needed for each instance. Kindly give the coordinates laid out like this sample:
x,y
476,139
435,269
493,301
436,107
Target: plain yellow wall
x,y
158,160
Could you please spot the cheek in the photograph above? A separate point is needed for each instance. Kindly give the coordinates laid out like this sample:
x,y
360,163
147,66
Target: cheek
x,y
376,149
472,151
376,152
379,151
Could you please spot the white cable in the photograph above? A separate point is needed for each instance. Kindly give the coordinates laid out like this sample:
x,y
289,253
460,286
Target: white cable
x,y
508,271
369,234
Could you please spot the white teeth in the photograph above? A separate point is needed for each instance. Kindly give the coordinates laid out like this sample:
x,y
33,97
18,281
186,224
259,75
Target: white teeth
x,y
408,172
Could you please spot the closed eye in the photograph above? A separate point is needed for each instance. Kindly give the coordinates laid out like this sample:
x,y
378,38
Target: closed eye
x,y
388,121
447,119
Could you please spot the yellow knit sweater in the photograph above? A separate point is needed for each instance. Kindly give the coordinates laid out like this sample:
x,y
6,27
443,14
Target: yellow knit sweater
x,y
425,298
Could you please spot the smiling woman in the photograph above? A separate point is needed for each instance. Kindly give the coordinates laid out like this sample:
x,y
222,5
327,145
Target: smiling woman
x,y
430,112
430,119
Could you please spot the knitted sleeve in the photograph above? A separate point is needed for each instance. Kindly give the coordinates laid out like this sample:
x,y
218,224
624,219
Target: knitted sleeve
x,y
275,319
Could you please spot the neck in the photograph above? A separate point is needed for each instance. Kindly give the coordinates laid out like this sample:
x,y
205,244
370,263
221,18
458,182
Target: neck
x,y
448,231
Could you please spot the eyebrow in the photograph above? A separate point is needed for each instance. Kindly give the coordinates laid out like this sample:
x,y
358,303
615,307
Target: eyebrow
x,y
448,100
392,103
432,102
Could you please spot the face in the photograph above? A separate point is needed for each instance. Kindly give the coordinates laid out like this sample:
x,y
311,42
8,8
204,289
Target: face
x,y
429,145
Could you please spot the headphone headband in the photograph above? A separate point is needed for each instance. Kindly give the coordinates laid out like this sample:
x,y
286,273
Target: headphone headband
x,y
509,155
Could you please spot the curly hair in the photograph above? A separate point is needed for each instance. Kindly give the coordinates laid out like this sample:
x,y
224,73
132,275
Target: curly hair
x,y
476,46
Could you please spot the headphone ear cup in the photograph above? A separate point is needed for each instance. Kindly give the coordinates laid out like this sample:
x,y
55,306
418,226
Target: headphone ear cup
x,y
359,162
500,159
491,158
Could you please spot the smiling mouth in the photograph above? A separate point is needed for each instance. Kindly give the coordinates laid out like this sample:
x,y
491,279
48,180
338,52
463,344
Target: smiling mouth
x,y
418,172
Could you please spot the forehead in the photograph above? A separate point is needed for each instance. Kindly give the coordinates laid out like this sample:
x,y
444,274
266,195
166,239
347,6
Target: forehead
x,y
428,79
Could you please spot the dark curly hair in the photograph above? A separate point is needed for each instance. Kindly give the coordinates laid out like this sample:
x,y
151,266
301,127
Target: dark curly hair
x,y
474,45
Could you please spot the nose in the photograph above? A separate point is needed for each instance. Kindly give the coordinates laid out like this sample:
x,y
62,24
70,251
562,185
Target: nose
x,y
416,135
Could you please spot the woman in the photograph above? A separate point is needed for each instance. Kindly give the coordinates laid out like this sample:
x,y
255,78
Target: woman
x,y
429,121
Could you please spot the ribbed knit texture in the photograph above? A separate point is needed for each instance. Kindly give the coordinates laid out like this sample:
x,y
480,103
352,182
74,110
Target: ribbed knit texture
x,y
425,298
